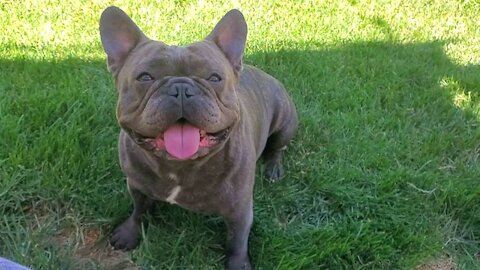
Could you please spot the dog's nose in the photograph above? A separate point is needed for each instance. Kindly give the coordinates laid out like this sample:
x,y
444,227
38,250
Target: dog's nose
x,y
181,89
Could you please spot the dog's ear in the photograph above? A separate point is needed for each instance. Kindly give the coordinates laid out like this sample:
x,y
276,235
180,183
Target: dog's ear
x,y
119,36
230,35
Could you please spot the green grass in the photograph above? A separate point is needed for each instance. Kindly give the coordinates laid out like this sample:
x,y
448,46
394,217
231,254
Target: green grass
x,y
383,174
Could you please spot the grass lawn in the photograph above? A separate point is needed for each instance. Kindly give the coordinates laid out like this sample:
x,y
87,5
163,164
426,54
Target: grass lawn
x,y
384,172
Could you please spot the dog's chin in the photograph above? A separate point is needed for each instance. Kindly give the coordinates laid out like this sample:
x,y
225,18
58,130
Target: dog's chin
x,y
209,143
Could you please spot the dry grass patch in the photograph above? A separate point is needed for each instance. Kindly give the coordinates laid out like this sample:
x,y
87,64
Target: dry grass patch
x,y
93,250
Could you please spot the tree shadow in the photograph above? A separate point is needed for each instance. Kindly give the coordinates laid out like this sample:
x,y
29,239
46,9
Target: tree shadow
x,y
388,141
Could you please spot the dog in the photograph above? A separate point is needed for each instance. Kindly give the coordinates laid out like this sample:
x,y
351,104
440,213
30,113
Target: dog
x,y
194,121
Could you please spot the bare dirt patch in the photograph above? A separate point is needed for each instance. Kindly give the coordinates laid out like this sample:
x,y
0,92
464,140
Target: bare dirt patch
x,y
94,248
442,263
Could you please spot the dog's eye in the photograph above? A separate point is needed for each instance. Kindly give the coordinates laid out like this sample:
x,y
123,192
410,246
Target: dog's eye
x,y
214,78
144,77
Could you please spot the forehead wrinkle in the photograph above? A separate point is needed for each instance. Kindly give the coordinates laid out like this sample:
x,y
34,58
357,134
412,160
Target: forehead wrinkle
x,y
203,55
164,60
176,59
189,62
176,55
152,55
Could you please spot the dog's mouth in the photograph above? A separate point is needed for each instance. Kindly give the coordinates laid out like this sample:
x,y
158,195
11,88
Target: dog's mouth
x,y
182,141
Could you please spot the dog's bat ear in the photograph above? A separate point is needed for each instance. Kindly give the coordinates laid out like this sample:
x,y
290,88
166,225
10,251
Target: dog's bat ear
x,y
230,35
119,35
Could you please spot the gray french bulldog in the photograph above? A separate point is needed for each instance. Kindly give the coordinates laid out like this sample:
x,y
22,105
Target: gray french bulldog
x,y
194,120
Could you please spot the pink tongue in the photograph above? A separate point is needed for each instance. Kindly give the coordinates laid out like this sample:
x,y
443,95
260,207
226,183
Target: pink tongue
x,y
182,140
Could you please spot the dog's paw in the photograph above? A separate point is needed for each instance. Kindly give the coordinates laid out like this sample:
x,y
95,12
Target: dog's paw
x,y
126,236
238,263
274,171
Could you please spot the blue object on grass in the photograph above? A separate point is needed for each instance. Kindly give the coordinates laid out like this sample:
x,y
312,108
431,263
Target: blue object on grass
x,y
9,265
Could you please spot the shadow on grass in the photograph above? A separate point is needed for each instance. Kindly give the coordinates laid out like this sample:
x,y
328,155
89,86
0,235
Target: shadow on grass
x,y
383,173
385,162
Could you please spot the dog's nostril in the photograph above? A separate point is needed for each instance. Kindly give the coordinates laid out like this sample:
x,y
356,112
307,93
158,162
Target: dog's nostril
x,y
189,92
173,91
183,89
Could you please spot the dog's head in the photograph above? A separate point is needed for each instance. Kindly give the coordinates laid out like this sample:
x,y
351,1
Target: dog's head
x,y
178,102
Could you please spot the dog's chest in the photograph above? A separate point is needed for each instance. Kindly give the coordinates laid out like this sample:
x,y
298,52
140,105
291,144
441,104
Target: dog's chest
x,y
173,194
175,190
192,191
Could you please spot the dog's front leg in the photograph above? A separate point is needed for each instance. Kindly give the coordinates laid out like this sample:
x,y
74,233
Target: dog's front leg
x,y
238,225
127,235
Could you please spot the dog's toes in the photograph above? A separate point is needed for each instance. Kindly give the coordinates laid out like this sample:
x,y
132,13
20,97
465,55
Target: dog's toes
x,y
235,263
126,236
124,241
274,171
